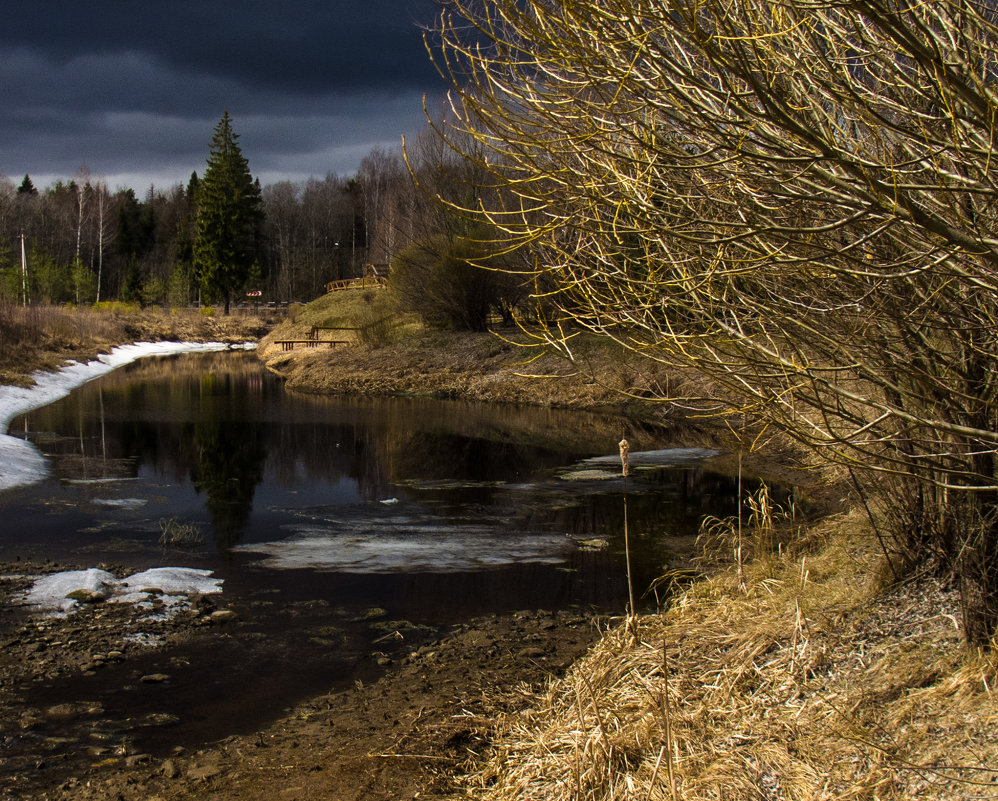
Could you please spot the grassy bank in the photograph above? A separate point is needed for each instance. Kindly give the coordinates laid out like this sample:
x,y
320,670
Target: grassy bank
x,y
806,679
44,337
392,355
803,675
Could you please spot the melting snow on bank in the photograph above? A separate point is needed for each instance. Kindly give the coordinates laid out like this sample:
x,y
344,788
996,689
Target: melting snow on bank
x,y
20,462
62,592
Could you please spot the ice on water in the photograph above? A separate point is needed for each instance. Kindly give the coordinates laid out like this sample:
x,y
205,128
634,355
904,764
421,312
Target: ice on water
x,y
120,503
20,463
406,542
603,467
398,546
450,554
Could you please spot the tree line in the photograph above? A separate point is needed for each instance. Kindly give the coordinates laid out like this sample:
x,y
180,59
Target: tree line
x,y
78,241
222,238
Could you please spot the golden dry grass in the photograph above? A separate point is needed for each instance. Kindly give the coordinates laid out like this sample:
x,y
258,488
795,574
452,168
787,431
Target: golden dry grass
x,y
802,679
363,315
44,337
809,682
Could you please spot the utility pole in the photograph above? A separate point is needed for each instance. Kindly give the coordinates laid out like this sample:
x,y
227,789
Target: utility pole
x,y
24,272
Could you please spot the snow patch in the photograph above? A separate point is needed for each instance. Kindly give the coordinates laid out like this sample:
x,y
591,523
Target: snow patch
x,y
51,592
172,585
145,639
172,582
20,462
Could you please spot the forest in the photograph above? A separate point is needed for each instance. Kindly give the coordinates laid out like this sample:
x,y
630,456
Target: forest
x,y
81,241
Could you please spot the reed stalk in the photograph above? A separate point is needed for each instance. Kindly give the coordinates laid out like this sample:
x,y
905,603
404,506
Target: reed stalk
x,y
667,722
632,619
739,548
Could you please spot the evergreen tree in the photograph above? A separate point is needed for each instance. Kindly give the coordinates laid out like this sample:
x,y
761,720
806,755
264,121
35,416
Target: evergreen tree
x,y
180,284
136,239
136,227
27,187
132,292
228,219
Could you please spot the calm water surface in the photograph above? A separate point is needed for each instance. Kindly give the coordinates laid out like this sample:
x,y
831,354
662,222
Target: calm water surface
x,y
333,520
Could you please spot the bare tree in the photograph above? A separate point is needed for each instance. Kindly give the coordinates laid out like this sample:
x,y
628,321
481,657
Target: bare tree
x,y
283,213
797,199
82,185
389,212
104,225
330,231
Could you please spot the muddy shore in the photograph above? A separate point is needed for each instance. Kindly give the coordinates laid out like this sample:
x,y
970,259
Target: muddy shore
x,y
403,734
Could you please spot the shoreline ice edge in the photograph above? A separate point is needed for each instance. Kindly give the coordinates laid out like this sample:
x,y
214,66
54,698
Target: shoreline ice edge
x,y
21,464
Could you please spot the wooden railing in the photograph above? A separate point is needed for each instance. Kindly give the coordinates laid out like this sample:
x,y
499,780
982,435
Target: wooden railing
x,y
373,281
313,340
289,344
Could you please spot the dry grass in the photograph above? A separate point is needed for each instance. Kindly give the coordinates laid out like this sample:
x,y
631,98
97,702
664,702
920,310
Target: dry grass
x,y
179,534
809,681
365,316
413,361
44,337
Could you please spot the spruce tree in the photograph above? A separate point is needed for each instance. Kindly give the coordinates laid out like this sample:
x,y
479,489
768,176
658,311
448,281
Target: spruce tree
x,y
27,187
228,217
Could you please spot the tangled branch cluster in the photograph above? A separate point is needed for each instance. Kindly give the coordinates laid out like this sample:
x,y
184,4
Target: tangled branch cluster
x,y
796,198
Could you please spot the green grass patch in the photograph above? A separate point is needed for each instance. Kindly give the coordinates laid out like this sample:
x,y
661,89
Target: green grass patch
x,y
364,314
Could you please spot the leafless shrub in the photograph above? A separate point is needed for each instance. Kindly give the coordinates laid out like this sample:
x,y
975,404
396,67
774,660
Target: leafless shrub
x,y
794,199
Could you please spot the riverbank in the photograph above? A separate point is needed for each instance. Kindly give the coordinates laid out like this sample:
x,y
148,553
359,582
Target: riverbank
x,y
804,677
46,337
804,674
404,735
498,367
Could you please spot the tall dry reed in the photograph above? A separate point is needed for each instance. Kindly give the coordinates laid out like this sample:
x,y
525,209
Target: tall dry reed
x,y
812,682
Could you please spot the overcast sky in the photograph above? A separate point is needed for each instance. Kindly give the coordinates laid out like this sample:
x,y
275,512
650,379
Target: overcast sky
x,y
134,90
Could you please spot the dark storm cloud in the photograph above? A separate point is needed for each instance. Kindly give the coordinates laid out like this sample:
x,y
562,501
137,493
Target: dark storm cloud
x,y
135,91
348,43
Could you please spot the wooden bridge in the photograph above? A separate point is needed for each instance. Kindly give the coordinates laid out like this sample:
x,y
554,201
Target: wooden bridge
x,y
289,344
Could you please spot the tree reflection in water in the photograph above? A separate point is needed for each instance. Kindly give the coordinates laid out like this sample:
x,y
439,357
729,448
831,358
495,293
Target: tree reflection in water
x,y
218,442
228,466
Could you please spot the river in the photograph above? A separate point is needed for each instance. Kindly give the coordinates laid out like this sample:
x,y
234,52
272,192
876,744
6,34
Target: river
x,y
332,523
